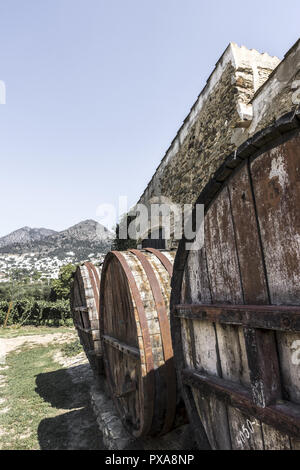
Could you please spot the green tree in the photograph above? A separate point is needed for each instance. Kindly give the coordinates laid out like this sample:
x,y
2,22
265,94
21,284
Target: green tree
x,y
19,274
61,287
36,276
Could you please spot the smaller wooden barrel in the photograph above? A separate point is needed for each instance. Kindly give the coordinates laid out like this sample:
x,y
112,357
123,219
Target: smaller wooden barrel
x,y
136,339
85,311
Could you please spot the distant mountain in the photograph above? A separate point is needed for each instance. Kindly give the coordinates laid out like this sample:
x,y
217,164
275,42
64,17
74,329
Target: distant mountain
x,y
46,250
88,230
25,235
81,238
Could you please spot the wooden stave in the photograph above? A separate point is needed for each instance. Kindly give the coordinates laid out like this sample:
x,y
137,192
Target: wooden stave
x,y
281,132
85,292
128,262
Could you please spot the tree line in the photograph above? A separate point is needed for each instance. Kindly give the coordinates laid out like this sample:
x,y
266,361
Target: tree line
x,y
35,300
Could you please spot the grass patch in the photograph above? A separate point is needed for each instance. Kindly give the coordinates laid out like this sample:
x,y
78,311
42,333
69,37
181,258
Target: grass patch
x,y
42,404
14,331
72,349
25,407
37,397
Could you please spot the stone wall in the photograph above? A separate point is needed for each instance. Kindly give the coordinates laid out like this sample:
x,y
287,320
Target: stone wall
x,y
207,135
207,141
277,97
115,436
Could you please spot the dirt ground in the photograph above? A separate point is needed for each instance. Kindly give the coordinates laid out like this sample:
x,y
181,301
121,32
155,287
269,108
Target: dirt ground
x,y
66,390
10,344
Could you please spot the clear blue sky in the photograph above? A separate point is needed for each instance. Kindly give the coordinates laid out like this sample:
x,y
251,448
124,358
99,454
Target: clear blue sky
x,y
96,90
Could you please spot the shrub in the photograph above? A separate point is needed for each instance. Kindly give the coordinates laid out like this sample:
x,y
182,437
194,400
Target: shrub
x,y
72,349
37,312
61,287
37,291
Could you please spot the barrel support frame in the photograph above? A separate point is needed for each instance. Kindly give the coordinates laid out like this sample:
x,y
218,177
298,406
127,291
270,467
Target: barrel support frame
x,y
283,416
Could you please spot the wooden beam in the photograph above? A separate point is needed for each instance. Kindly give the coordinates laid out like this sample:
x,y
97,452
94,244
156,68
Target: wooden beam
x,y
85,330
263,365
81,309
283,416
127,389
125,348
92,352
268,317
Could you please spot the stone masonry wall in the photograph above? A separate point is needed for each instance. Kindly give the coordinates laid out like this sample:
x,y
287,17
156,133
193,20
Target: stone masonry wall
x,y
208,140
207,134
275,98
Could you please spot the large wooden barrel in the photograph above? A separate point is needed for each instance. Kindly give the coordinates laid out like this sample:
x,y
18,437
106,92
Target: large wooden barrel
x,y
136,339
236,301
85,311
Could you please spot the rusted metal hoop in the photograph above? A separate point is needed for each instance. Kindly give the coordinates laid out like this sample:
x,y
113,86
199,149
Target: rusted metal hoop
x,y
166,339
85,311
80,298
94,279
163,259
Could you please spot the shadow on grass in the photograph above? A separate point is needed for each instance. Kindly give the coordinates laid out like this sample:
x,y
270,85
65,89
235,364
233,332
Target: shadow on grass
x,y
68,389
